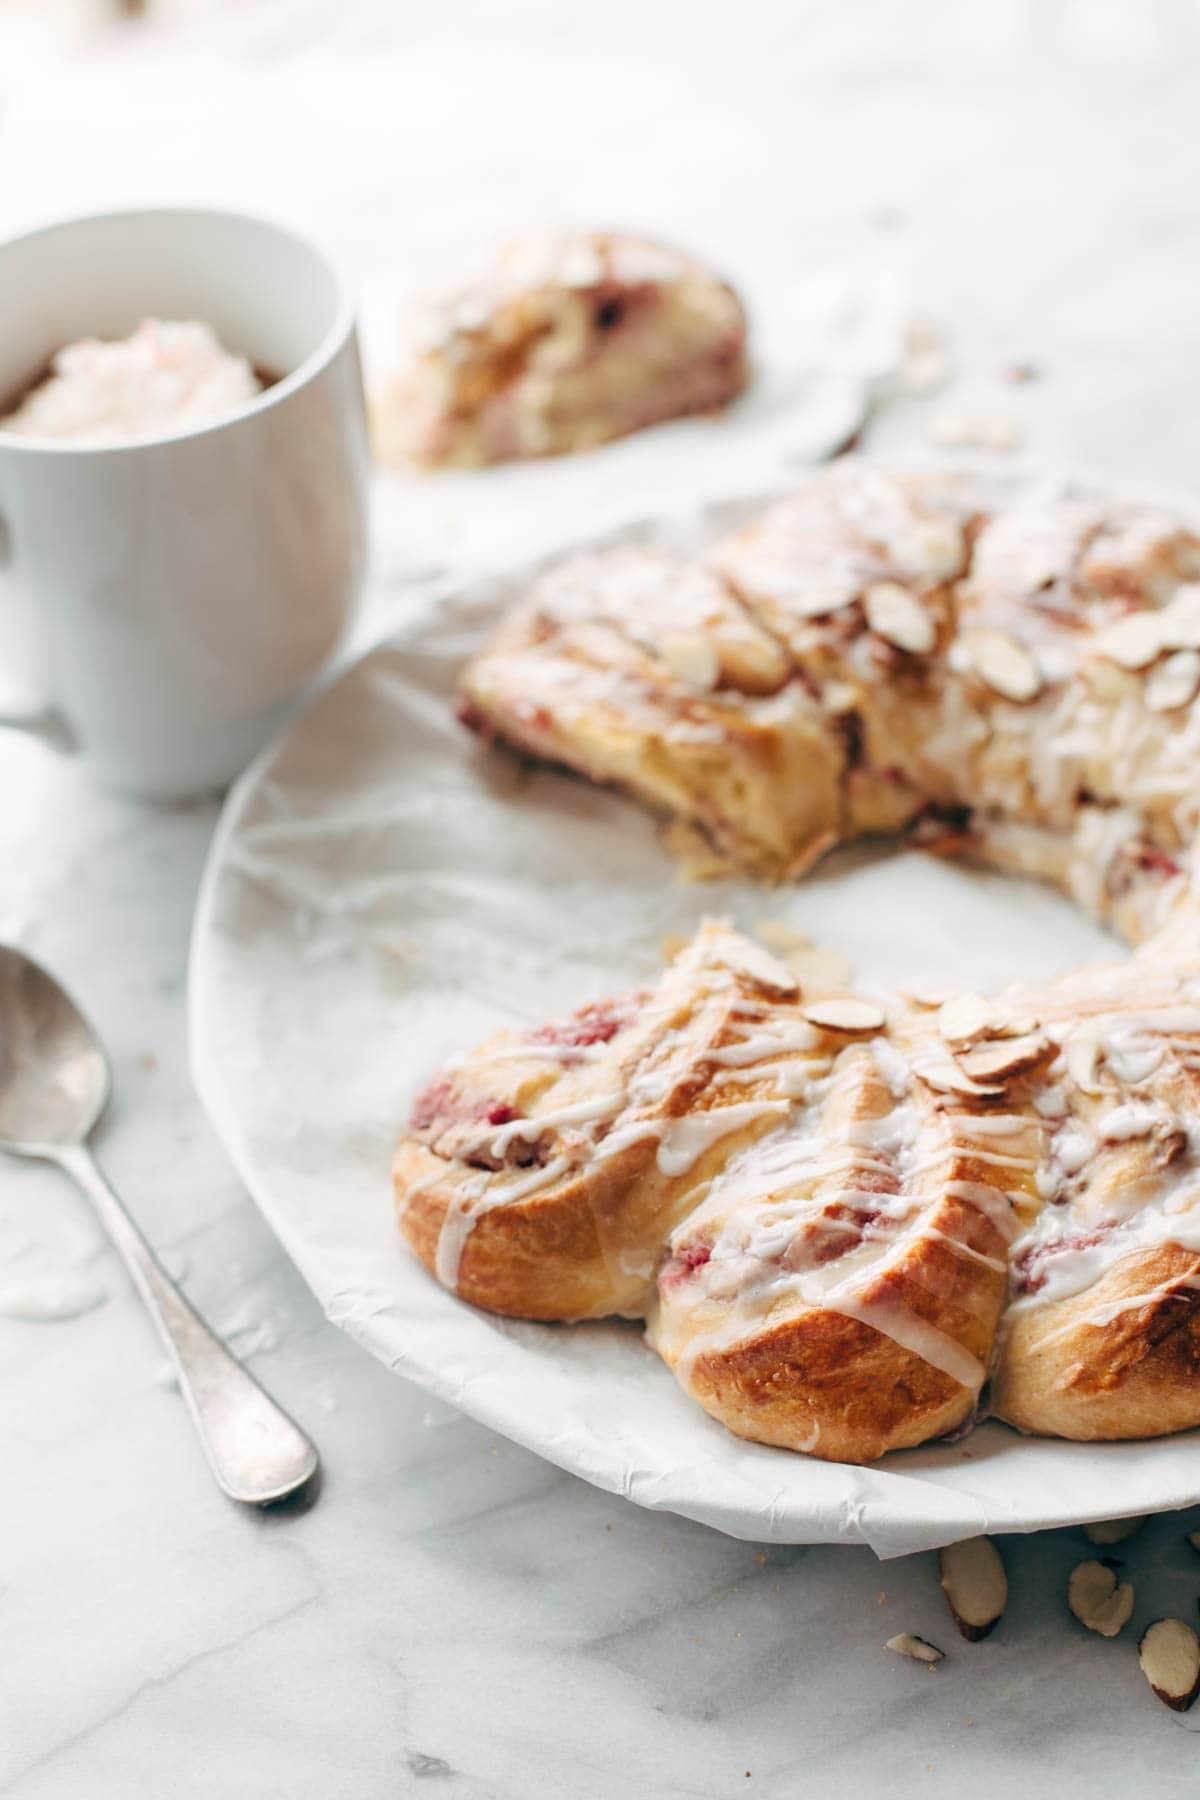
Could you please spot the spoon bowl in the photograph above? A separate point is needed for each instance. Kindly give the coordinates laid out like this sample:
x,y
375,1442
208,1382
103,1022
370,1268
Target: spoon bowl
x,y
54,1075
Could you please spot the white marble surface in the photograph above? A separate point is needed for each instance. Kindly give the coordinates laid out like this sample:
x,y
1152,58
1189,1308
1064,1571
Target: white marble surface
x,y
453,1616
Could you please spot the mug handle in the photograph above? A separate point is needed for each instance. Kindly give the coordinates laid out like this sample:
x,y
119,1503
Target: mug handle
x,y
44,722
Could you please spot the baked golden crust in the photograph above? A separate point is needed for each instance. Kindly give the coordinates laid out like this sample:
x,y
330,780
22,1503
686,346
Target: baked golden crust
x,y
840,1216
1023,688
542,1187
900,1201
571,339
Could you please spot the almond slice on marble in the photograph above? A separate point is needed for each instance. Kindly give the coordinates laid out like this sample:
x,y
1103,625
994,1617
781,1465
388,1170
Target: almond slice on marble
x,y
1170,1657
846,1013
692,658
1097,1600
1134,642
1174,682
965,1018
975,1585
1002,1058
905,1644
1113,1531
1005,665
744,957
897,616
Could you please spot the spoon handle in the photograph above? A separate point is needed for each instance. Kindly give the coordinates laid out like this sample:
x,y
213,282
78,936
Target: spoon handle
x,y
254,1450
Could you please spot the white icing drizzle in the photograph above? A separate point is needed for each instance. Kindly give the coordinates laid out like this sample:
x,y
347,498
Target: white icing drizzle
x,y
471,1202
685,1140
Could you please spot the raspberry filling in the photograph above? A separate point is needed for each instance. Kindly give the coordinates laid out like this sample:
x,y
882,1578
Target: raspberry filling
x,y
1032,1271
685,1262
597,1023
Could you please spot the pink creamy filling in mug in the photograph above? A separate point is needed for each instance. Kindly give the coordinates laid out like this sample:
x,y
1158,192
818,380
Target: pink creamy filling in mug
x,y
180,592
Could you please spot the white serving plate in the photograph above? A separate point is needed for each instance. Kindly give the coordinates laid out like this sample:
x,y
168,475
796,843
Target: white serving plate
x,y
382,893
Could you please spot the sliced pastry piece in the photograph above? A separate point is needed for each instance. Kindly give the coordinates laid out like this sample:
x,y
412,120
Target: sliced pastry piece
x,y
542,1174
1102,1336
839,1289
570,340
638,668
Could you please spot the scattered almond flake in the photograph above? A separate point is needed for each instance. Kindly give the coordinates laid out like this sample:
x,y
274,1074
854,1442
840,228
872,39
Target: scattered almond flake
x,y
975,1585
974,431
940,1072
1097,1601
923,372
1005,665
966,1017
905,1644
923,334
671,944
778,935
692,658
933,549
1180,620
1113,1531
1005,1057
1193,1538
1173,683
820,971
840,697
899,617
1134,642
999,432
847,1013
954,431
756,963
1169,1654
1022,373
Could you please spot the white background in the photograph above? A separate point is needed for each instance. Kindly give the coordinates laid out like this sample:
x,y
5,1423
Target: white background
x,y
453,1616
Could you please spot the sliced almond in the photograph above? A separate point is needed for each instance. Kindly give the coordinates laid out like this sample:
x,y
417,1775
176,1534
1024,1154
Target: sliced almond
x,y
755,962
905,1644
1134,642
1174,682
846,1013
899,617
965,1018
1180,621
1002,1058
1170,1657
942,1073
1113,1531
1193,1538
692,658
1097,1601
975,1585
820,971
1005,665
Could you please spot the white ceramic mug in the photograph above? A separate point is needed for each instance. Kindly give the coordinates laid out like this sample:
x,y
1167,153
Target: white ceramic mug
x,y
181,592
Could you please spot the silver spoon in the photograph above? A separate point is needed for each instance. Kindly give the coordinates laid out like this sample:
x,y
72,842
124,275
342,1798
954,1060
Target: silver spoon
x,y
54,1085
